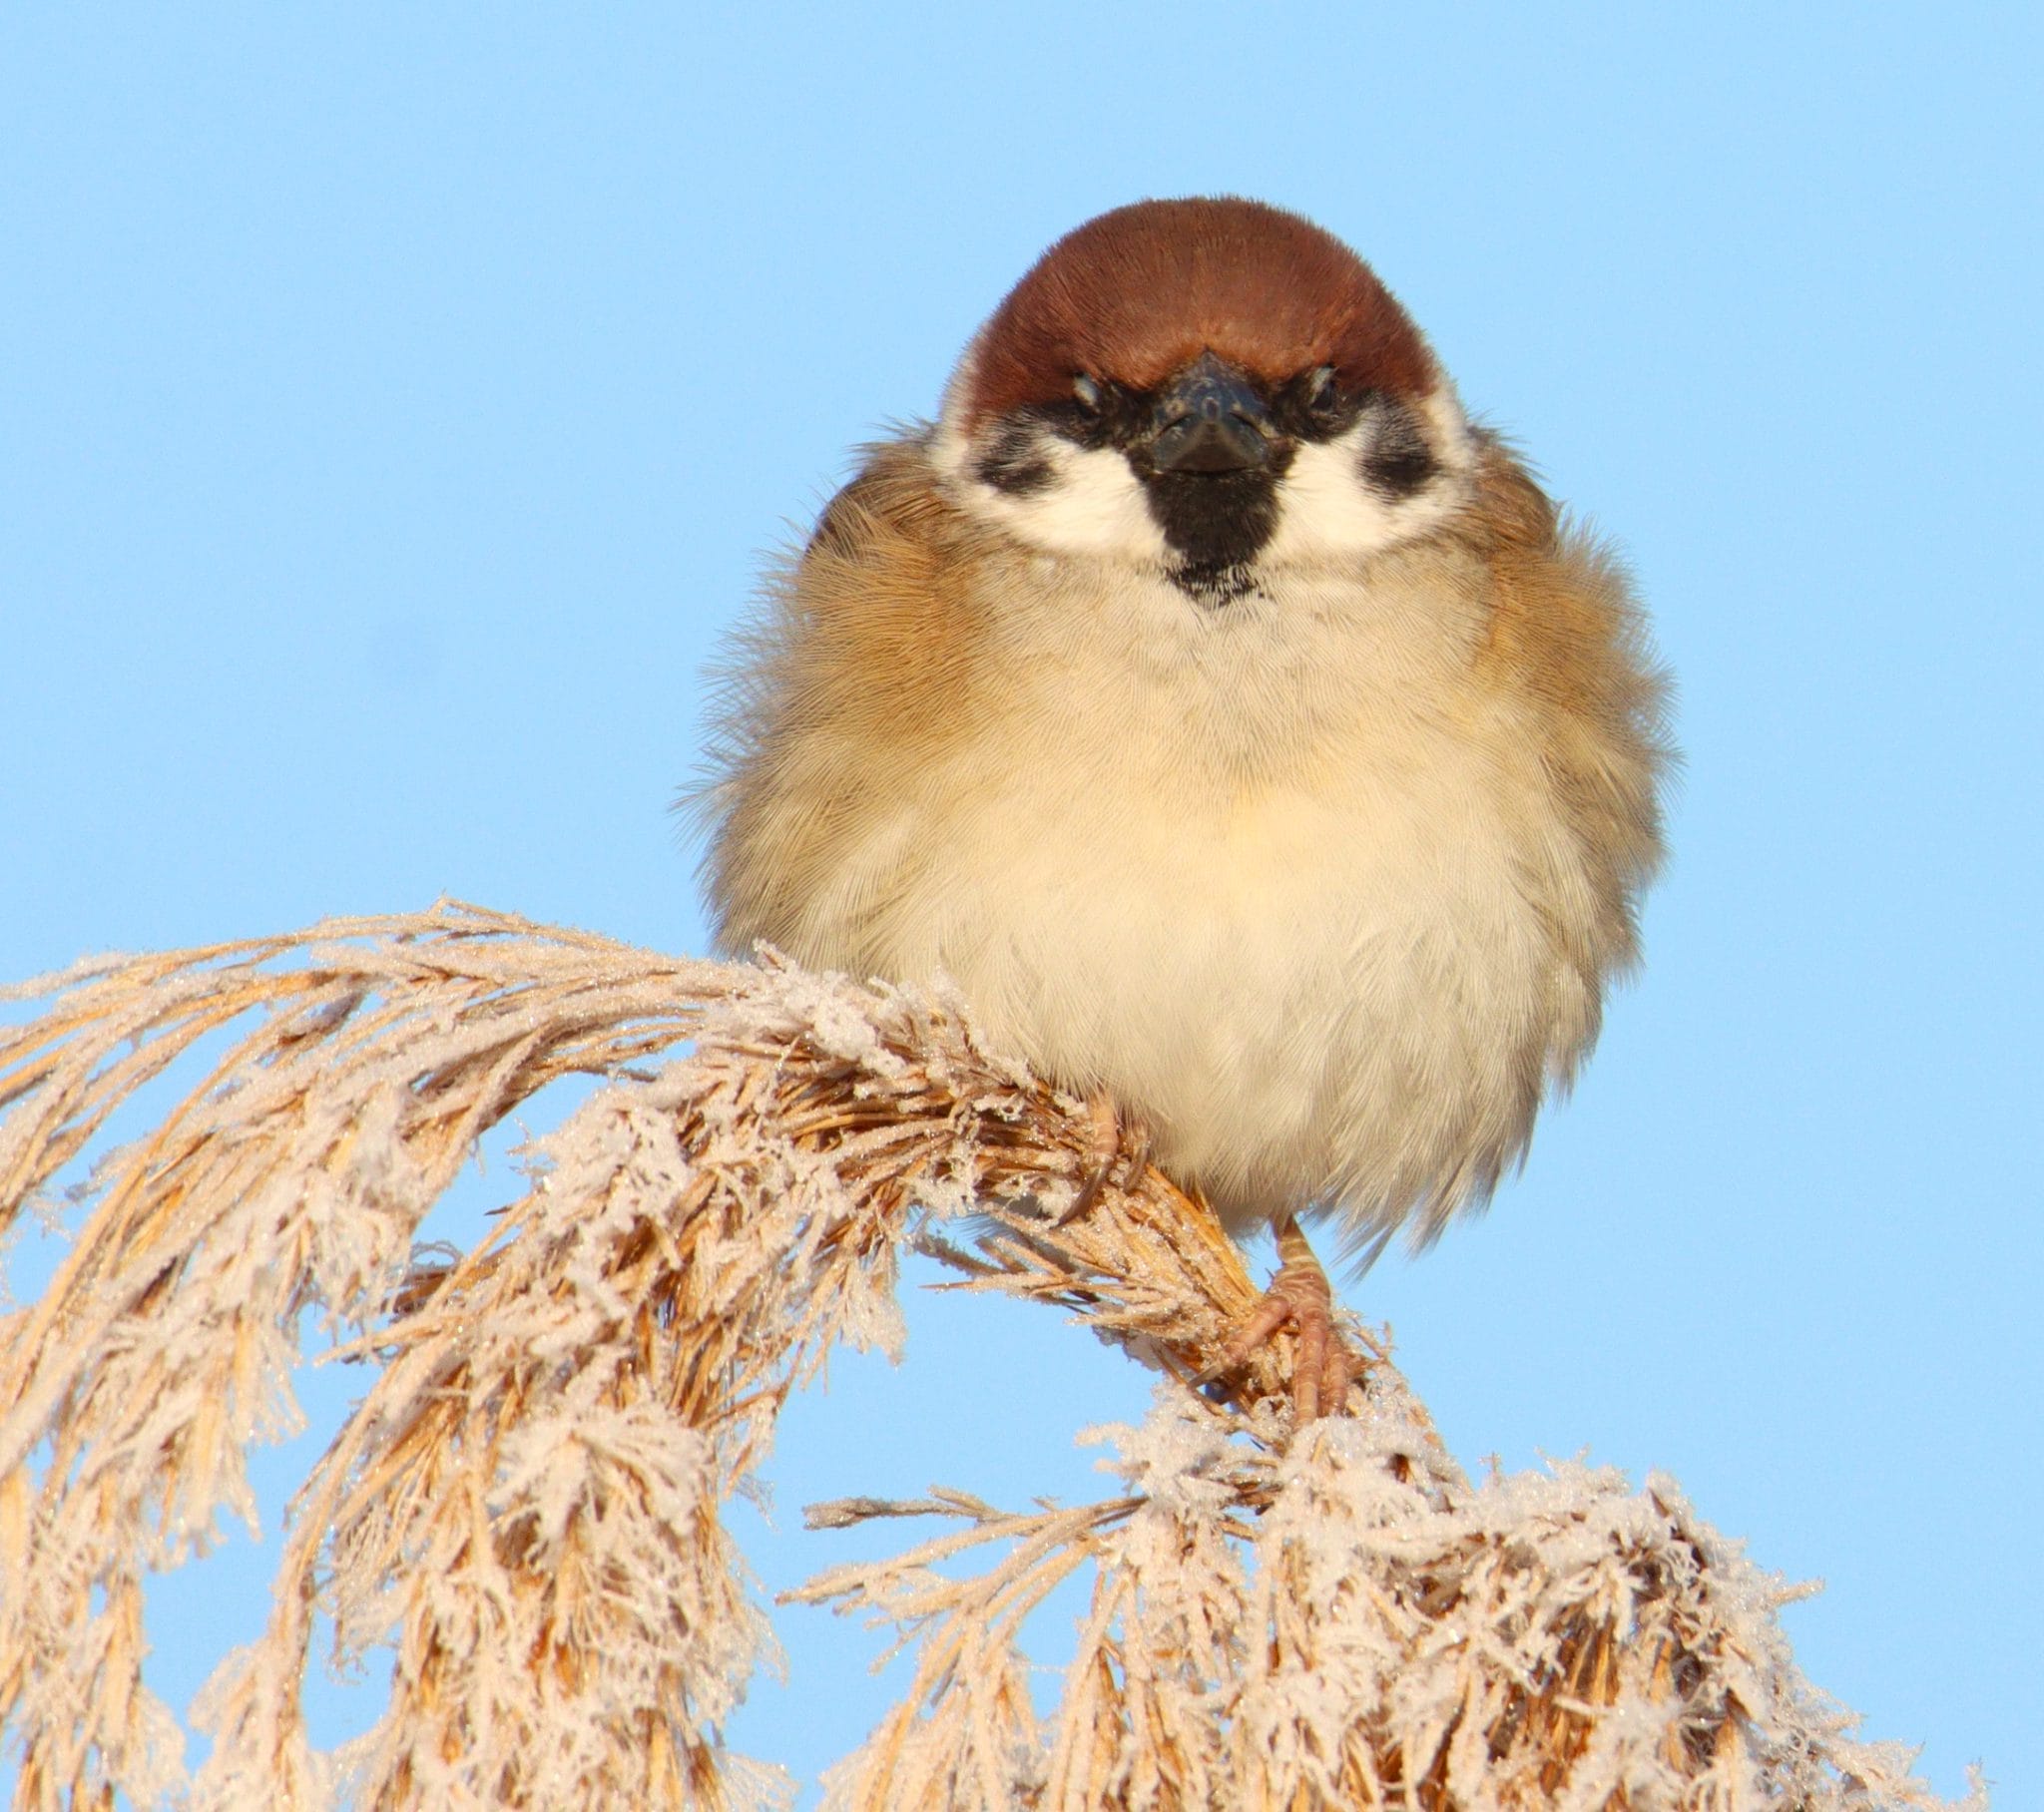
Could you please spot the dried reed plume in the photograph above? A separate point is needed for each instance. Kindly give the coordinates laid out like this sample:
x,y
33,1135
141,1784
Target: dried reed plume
x,y
524,1510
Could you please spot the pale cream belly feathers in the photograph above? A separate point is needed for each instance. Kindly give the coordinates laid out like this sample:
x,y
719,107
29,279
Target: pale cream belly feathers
x,y
1324,882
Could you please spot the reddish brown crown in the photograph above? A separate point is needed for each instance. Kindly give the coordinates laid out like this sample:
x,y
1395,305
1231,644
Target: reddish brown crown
x,y
1136,294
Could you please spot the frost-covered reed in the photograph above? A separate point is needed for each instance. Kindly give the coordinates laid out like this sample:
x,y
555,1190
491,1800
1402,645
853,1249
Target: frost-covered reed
x,y
524,1510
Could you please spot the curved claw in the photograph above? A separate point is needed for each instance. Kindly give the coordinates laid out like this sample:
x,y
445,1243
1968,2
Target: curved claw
x,y
1300,1297
1112,1146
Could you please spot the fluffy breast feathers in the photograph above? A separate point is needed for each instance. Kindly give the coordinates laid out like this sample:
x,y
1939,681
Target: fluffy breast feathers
x,y
1326,884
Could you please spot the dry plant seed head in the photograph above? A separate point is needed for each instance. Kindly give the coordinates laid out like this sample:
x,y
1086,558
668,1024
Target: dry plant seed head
x,y
1238,728
587,1388
524,1512
1352,1625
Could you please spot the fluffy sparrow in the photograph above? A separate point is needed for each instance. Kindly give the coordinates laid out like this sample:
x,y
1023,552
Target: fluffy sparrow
x,y
1232,721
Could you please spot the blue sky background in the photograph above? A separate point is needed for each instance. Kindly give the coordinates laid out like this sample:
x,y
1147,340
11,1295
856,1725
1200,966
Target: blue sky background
x,y
393,402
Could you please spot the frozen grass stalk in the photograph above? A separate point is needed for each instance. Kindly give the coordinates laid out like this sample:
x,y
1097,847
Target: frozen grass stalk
x,y
524,1512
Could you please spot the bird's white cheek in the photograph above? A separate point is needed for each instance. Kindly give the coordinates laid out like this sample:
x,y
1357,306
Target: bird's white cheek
x,y
1326,511
1092,504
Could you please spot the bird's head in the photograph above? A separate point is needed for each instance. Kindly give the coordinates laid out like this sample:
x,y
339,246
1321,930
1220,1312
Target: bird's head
x,y
1210,388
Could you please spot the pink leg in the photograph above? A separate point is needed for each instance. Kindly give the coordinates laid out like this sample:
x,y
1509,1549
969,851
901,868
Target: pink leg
x,y
1301,1298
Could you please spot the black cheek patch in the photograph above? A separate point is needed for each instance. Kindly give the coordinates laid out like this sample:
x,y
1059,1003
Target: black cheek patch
x,y
1013,461
1396,461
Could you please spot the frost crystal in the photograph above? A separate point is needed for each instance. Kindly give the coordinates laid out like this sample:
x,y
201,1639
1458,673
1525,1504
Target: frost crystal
x,y
525,1511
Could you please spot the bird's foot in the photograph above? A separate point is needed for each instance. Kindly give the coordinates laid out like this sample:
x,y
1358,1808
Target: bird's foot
x,y
1114,1142
1300,1297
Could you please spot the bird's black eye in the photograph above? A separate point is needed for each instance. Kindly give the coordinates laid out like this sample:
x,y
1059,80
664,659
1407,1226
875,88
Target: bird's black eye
x,y
1098,415
1321,395
1316,407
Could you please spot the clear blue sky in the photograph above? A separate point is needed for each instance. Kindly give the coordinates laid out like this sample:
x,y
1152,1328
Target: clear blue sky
x,y
393,402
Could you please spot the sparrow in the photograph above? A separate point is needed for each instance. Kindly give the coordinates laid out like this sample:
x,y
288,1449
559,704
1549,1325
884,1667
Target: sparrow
x,y
1231,719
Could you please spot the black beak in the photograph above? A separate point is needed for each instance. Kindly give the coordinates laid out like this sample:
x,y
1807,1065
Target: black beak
x,y
1209,418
